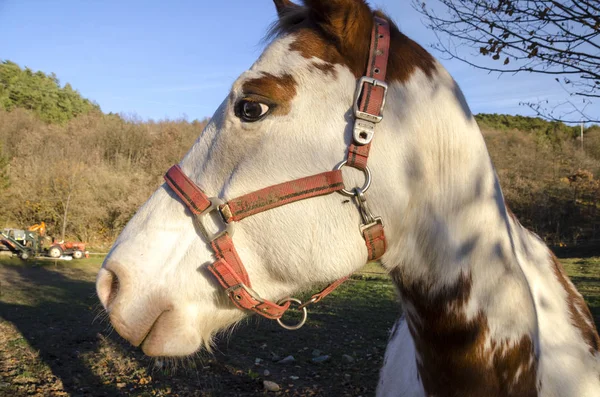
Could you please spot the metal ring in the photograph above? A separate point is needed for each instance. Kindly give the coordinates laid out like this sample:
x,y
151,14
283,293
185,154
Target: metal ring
x,y
364,188
301,322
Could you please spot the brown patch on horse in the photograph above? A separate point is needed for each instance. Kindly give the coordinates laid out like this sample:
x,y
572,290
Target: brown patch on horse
x,y
581,317
326,68
310,44
277,90
339,32
346,24
515,368
454,356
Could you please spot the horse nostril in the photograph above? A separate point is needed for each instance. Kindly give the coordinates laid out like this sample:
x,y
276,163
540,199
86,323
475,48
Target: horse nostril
x,y
107,287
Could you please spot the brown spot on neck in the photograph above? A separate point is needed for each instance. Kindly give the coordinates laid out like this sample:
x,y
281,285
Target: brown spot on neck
x,y
454,354
277,90
581,317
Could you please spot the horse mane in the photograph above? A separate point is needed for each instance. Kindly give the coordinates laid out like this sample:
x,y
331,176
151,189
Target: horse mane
x,y
289,22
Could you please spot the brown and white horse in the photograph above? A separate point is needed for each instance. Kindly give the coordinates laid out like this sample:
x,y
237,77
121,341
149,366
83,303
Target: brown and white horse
x,y
488,309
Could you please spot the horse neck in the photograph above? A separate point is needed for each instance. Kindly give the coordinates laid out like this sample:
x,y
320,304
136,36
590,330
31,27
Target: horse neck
x,y
452,240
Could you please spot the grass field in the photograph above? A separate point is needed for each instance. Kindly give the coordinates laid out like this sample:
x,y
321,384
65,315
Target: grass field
x,y
52,345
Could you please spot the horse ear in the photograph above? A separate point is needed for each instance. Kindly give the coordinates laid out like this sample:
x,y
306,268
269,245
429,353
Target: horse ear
x,y
284,6
348,22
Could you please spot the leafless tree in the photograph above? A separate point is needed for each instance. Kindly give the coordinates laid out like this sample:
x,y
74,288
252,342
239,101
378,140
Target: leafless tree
x,y
553,37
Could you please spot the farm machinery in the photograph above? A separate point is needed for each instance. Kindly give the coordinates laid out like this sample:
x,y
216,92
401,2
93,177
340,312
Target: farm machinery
x,y
33,242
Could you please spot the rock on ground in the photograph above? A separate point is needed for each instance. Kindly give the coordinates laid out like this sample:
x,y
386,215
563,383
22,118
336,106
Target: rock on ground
x,y
271,386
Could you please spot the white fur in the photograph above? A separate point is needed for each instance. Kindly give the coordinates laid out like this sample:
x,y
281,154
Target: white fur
x,y
399,375
433,184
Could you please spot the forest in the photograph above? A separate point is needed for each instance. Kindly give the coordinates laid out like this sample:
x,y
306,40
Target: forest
x,y
65,162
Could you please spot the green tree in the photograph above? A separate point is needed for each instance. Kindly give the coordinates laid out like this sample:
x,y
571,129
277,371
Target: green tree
x,y
41,93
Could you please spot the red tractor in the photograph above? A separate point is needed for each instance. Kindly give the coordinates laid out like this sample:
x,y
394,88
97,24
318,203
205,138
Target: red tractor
x,y
60,248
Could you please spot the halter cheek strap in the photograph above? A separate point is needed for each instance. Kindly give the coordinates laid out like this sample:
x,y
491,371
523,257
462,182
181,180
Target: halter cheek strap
x,y
228,268
369,99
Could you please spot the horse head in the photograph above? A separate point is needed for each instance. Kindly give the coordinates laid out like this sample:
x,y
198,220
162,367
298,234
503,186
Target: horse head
x,y
292,115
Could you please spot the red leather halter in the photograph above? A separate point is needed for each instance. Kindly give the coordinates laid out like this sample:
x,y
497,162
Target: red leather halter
x,y
228,267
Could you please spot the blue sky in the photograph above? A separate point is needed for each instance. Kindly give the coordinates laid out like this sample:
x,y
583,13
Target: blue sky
x,y
168,59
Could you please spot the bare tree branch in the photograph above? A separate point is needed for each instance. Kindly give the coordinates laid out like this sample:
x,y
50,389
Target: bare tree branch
x,y
552,37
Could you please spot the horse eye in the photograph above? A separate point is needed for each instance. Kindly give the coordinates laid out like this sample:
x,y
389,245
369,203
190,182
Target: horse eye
x,y
251,111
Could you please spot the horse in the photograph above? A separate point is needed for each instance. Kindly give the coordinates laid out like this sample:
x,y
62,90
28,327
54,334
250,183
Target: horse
x,y
487,307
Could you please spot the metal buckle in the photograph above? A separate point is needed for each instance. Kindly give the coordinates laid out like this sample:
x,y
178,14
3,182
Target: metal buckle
x,y
228,228
359,89
364,125
376,220
237,297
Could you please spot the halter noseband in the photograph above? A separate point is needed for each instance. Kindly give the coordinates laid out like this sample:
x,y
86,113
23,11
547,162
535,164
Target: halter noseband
x,y
369,100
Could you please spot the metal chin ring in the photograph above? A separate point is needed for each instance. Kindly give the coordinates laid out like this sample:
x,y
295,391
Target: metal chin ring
x,y
300,306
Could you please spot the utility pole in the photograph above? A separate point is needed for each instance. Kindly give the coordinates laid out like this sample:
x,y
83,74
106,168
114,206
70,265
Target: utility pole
x,y
581,135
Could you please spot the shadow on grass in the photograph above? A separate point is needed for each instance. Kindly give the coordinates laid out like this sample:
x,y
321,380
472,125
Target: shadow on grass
x,y
584,279
57,321
354,320
54,311
585,250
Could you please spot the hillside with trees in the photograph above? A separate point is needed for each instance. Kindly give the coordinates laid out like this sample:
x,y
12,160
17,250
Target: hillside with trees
x,y
88,172
548,180
95,170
